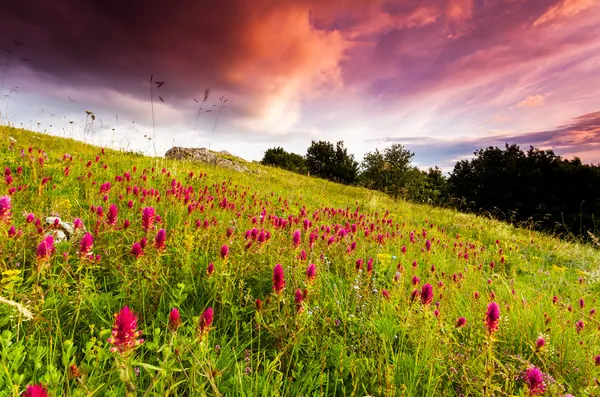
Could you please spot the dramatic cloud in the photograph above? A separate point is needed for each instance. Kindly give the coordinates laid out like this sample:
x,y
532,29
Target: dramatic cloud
x,y
297,70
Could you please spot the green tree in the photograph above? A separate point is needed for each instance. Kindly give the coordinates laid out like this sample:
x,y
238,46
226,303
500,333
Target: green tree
x,y
389,171
327,161
278,157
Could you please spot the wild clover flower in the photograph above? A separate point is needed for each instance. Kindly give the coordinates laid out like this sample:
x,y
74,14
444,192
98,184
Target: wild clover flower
x,y
210,269
125,335
278,279
296,238
534,379
205,321
5,207
86,244
311,272
35,391
299,298
426,294
159,240
113,215
45,248
461,322
491,317
224,251
174,319
137,250
148,217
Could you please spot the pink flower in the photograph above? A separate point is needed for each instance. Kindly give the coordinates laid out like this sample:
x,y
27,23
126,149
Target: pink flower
x,y
415,280
86,244
534,379
299,298
385,294
113,214
174,319
77,223
210,269
491,317
461,322
206,320
296,238
539,343
597,360
148,217
224,251
35,391
5,207
137,250
125,334
159,240
426,294
278,279
579,326
45,249
311,272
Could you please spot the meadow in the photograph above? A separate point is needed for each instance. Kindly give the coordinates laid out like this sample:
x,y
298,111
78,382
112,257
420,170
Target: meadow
x,y
123,274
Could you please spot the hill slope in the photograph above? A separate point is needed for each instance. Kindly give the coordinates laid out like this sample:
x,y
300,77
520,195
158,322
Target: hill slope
x,y
396,304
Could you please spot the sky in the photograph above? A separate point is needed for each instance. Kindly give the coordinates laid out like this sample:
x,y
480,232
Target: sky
x,y
441,77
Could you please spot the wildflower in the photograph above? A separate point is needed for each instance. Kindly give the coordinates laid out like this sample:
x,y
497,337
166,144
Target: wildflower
x,y
426,294
299,298
385,294
461,322
581,303
579,326
137,250
206,320
296,238
5,206
311,272
113,214
597,360
12,231
491,317
35,391
148,217
125,335
414,295
539,343
77,223
224,251
278,279
436,312
45,248
174,319
534,379
86,244
476,295
126,224
159,240
143,242
415,280
210,269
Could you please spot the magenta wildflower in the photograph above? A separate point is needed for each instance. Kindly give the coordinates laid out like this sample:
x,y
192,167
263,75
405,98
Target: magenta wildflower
x,y
113,215
45,248
148,218
461,322
299,298
210,269
534,379
385,294
224,251
159,240
137,250
426,294
35,391
311,272
77,223
125,335
539,343
296,238
597,360
415,280
278,279
174,319
5,207
491,317
205,321
579,326
86,244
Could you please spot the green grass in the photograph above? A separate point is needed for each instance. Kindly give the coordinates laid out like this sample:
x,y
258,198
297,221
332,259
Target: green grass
x,y
348,339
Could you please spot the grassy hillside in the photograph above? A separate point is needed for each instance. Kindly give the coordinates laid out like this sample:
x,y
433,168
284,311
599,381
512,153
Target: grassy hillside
x,y
396,306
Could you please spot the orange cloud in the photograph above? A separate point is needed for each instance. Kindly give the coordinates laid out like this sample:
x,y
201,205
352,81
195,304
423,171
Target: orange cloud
x,y
532,101
565,9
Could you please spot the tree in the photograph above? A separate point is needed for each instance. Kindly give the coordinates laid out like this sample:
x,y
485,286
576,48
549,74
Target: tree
x,y
389,171
278,157
333,163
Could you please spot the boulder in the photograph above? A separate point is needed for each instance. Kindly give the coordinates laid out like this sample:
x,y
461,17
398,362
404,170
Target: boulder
x,y
203,155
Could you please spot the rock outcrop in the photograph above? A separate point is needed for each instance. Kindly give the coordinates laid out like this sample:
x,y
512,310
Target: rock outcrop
x,y
203,155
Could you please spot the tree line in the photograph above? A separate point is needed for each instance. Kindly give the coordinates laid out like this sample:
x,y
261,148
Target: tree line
x,y
533,188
